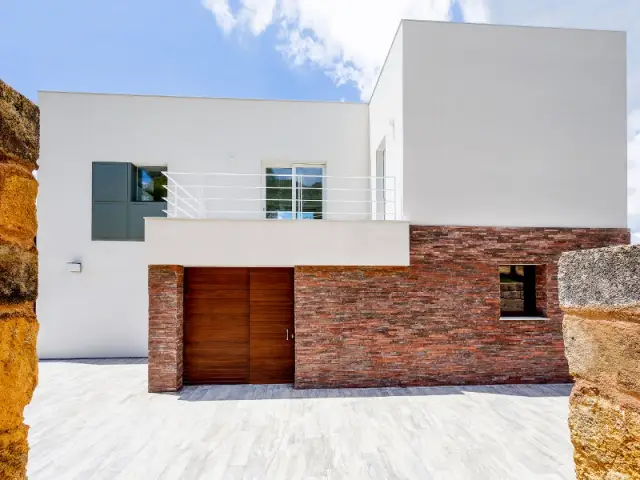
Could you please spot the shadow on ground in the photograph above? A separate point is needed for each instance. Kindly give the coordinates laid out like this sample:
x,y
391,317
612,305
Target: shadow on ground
x,y
212,393
99,361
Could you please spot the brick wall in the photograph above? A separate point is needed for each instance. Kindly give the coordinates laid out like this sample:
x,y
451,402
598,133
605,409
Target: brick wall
x,y
437,321
166,284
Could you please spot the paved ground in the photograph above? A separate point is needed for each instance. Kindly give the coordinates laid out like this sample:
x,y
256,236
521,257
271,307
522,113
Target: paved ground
x,y
95,420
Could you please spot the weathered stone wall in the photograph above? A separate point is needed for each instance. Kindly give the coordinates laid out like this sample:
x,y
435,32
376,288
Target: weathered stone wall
x,y
436,322
166,327
19,130
600,295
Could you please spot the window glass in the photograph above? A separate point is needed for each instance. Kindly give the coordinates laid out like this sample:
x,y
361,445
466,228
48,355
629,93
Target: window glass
x,y
309,183
151,184
294,192
279,203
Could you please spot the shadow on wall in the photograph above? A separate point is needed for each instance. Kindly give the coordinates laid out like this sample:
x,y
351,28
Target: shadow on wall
x,y
215,393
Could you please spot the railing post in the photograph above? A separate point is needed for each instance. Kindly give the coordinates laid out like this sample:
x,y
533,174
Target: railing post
x,y
175,199
395,200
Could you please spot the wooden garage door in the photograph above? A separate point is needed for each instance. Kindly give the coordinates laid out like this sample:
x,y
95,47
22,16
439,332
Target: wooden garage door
x,y
238,325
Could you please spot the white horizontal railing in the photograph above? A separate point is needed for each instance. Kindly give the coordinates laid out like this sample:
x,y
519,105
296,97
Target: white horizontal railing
x,y
254,196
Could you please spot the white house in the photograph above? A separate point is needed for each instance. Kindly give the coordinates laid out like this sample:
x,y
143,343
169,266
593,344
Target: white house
x,y
397,222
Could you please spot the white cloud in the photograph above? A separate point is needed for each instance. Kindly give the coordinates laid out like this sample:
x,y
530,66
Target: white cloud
x,y
221,10
474,11
347,39
254,15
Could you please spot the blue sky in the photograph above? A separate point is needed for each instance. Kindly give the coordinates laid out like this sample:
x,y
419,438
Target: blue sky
x,y
282,49
167,47
146,47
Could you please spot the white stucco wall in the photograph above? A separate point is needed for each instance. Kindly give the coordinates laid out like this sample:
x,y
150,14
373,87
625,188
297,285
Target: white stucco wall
x,y
386,120
512,126
102,312
282,243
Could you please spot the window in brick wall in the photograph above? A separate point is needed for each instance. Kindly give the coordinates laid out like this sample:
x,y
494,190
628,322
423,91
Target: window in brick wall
x,y
522,291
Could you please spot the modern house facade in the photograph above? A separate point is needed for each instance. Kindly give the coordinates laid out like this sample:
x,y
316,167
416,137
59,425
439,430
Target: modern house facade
x,y
411,240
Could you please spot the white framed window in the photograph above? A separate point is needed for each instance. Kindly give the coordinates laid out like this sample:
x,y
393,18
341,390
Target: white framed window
x,y
294,191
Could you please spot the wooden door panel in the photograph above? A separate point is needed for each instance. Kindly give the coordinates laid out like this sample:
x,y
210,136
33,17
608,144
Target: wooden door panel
x,y
271,306
216,327
204,278
271,279
203,306
240,296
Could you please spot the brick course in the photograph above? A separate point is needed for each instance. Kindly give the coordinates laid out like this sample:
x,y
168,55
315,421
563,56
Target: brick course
x,y
437,321
166,286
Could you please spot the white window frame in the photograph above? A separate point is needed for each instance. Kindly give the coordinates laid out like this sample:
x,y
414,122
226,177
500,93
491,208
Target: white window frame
x,y
293,167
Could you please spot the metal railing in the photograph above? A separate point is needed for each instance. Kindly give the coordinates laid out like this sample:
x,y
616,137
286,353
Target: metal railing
x,y
280,196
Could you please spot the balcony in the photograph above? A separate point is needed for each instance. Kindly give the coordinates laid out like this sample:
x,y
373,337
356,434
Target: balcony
x,y
289,193
286,217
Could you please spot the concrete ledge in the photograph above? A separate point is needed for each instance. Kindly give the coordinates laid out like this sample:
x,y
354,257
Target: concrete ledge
x,y
601,283
275,243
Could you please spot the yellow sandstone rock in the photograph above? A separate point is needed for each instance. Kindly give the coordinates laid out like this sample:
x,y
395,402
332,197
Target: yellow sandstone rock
x,y
18,188
13,453
19,150
604,352
19,372
605,434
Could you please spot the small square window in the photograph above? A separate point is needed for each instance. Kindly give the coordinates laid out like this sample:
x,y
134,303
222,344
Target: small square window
x,y
151,184
522,291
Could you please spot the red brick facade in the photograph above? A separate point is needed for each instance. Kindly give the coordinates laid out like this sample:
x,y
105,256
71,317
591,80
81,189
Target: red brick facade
x,y
165,327
436,322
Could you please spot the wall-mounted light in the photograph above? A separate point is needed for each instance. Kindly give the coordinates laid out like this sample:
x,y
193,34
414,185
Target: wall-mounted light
x,y
74,267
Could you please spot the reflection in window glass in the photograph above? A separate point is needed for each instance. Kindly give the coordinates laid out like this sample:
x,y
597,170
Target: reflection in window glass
x,y
294,192
278,193
309,193
151,184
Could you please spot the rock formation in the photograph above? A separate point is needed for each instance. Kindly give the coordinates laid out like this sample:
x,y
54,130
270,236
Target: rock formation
x,y
600,295
19,138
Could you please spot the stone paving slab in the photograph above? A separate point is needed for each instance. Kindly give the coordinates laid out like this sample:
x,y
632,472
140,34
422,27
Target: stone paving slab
x,y
93,419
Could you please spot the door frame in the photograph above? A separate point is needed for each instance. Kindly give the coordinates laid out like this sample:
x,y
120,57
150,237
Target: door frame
x,y
290,331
